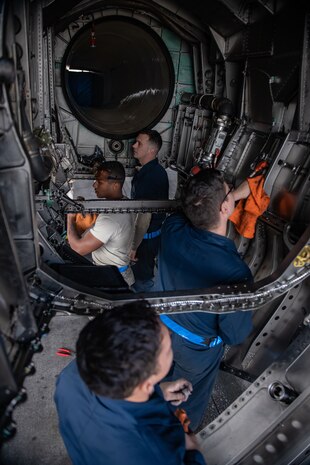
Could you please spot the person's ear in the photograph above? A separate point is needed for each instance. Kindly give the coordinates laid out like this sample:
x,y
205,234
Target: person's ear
x,y
152,149
225,208
147,387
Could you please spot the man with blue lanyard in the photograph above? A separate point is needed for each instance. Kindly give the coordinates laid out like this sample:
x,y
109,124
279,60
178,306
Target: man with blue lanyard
x,y
110,239
150,182
195,254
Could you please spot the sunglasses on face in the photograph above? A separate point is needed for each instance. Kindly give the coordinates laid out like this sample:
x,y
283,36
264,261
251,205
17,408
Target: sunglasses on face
x,y
231,189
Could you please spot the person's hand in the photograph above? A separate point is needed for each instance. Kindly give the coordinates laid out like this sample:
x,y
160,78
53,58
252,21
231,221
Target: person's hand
x,y
177,391
132,256
191,442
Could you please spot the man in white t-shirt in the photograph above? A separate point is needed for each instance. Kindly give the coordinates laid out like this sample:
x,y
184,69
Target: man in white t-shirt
x,y
110,239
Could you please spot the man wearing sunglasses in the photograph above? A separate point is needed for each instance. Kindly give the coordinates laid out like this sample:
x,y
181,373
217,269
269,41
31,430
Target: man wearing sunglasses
x,y
196,254
109,240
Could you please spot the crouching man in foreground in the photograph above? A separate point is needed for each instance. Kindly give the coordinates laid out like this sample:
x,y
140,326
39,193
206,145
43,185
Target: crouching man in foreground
x,y
112,411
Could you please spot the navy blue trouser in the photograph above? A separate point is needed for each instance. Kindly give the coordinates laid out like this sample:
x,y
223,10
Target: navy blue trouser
x,y
200,366
143,269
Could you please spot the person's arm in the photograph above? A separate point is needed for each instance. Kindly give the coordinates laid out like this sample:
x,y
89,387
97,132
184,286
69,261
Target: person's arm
x,y
177,391
82,245
242,191
142,224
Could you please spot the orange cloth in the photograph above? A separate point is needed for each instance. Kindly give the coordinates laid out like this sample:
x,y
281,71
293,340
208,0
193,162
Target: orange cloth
x,y
84,222
248,210
182,416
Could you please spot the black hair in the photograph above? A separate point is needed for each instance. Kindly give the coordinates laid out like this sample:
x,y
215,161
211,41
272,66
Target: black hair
x,y
202,197
154,137
118,350
115,169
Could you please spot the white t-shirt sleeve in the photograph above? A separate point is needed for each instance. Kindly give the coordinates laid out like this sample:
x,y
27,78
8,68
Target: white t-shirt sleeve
x,y
103,229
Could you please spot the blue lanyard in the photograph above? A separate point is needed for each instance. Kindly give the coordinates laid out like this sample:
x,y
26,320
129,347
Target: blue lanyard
x,y
186,334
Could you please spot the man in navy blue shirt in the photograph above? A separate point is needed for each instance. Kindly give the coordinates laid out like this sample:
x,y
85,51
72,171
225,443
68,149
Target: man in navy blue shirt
x,y
110,406
194,254
150,182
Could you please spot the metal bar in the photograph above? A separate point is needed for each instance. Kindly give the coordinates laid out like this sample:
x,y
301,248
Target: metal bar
x,y
226,299
113,206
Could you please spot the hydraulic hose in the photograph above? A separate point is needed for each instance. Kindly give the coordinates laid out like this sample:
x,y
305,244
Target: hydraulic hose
x,y
221,105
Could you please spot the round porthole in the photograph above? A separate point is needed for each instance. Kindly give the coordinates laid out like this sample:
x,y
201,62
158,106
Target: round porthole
x,y
118,77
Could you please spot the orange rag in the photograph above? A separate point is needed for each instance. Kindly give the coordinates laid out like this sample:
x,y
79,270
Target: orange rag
x,y
182,416
248,210
84,222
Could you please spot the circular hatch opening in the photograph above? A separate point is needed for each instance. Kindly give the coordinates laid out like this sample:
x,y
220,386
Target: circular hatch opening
x,y
122,85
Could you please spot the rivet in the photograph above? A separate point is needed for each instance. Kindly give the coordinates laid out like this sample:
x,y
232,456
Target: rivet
x,y
282,437
270,448
258,459
296,424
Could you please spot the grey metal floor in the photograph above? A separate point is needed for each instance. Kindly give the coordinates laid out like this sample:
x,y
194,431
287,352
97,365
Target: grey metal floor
x,y
226,389
37,441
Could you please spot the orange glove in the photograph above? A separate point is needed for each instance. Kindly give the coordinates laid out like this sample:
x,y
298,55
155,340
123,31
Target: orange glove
x,y
85,222
182,416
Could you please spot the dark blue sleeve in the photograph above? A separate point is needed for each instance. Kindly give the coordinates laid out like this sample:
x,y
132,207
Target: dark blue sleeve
x,y
194,457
